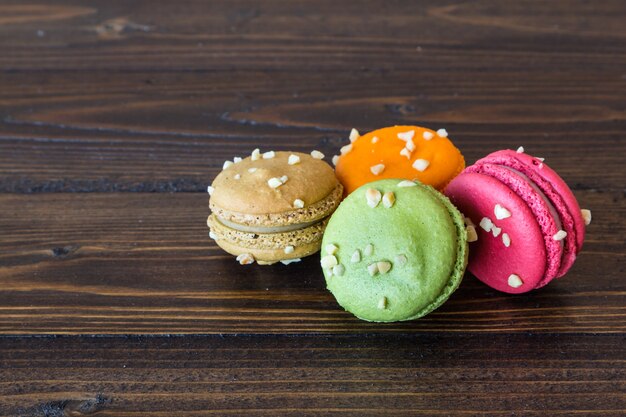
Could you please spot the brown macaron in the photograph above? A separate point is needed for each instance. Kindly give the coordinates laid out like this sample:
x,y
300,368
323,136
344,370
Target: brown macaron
x,y
273,206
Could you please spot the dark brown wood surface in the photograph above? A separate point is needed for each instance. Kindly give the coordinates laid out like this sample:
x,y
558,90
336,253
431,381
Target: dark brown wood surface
x,y
114,117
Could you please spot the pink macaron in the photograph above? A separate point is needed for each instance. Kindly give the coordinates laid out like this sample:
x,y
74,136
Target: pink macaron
x,y
529,226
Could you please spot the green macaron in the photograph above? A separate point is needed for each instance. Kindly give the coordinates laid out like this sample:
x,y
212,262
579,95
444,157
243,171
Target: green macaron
x,y
394,250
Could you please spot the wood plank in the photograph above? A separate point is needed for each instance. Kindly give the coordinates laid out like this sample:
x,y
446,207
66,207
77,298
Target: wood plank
x,y
226,35
142,263
149,97
417,375
105,96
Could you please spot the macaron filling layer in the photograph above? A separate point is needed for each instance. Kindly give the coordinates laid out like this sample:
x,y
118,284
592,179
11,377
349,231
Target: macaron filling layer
x,y
261,229
553,212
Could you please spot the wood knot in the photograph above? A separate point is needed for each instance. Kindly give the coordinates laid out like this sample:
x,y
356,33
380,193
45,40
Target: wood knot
x,y
119,27
63,251
75,408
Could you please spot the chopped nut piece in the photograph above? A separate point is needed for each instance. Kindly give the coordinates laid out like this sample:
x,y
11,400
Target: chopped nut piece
x,y
369,249
372,269
506,239
586,216
515,281
442,133
289,249
328,261
406,152
372,196
420,164
227,164
382,303
410,145
495,230
252,170
237,159
540,159
335,159
269,155
331,249
388,199
354,135
245,259
375,139
383,266
339,270
256,154
317,155
468,221
293,159
345,149
472,236
486,224
560,235
274,182
290,261
237,176
428,135
400,259
406,136
210,190
356,257
377,169
501,212
520,149
284,179
297,203
407,183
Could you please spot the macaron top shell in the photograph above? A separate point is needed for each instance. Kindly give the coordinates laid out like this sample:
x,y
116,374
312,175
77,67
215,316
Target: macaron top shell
x,y
266,191
542,213
421,238
490,259
397,149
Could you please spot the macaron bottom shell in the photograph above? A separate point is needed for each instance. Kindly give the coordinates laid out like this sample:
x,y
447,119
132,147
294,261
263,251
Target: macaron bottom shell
x,y
268,248
422,237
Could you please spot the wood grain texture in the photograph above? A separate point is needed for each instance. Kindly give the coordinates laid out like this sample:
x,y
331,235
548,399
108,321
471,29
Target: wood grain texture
x,y
102,96
114,117
420,375
136,263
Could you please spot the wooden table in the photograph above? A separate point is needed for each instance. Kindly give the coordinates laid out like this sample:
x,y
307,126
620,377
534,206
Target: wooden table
x,y
114,117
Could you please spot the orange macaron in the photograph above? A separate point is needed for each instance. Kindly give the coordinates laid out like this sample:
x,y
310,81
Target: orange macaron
x,y
407,152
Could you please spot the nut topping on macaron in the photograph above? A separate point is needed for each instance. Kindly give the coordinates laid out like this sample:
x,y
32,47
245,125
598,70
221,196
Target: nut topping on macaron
x,y
404,152
420,254
259,211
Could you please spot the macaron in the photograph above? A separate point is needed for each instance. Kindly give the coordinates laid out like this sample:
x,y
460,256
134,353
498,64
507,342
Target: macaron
x,y
529,226
272,206
407,152
394,250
